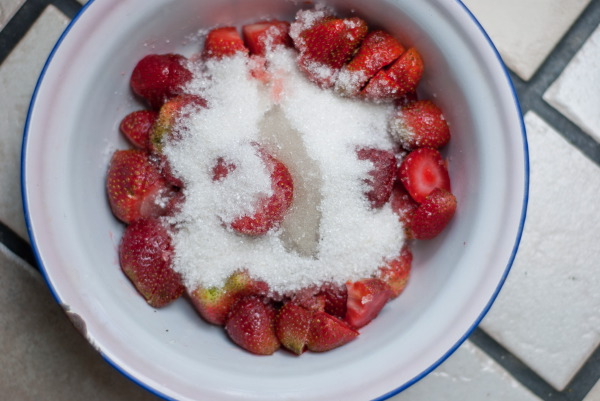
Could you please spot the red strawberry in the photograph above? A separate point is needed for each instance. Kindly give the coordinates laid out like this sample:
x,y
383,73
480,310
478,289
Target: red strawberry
x,y
145,254
434,214
223,42
381,177
222,168
327,45
377,50
328,332
270,210
214,303
336,298
397,271
136,127
404,206
292,327
366,298
159,77
134,186
309,298
265,35
400,78
420,124
251,325
423,170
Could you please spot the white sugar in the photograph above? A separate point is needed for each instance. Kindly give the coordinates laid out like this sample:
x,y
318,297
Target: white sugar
x,y
330,233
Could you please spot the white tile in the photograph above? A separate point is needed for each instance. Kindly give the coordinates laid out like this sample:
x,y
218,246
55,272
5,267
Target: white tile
x,y
548,313
575,93
594,394
42,356
18,75
468,375
8,8
526,31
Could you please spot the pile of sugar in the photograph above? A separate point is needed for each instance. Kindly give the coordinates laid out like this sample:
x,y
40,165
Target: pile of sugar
x,y
330,233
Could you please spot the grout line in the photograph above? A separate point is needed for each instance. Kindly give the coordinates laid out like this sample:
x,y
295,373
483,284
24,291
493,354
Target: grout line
x,y
68,7
19,25
17,245
585,378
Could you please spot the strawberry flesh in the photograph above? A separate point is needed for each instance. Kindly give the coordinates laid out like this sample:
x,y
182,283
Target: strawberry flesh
x,y
145,255
137,125
135,187
423,170
366,298
159,77
251,325
292,327
420,124
397,80
377,50
328,332
270,210
404,206
223,42
381,177
396,272
336,298
434,214
266,35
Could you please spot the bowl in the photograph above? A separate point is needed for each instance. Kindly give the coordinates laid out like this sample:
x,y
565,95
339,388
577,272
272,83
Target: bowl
x,y
72,130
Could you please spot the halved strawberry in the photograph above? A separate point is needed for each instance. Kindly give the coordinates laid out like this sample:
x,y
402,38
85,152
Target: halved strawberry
x,y
251,325
214,303
292,327
222,168
404,206
377,50
336,298
327,45
423,170
381,177
328,332
419,124
137,125
366,298
262,36
159,77
434,214
145,255
135,187
223,42
400,78
270,210
396,272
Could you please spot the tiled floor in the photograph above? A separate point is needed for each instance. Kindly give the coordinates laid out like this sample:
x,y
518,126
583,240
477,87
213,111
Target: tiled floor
x,y
541,339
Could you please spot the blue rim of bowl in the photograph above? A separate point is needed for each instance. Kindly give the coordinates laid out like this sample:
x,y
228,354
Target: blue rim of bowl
x,y
384,396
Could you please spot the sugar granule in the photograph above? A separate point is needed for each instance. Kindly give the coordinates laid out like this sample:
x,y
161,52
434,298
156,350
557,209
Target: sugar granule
x,y
351,240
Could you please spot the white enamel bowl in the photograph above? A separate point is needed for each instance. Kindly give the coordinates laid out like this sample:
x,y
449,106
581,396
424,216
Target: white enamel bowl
x,y
72,129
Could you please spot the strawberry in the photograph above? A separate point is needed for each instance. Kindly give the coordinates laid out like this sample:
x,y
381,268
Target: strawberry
x,y
145,255
423,170
309,298
336,298
381,177
292,327
396,272
419,124
262,36
404,206
135,187
327,45
366,298
377,50
251,325
223,42
270,210
214,303
434,214
222,168
136,127
395,81
328,332
159,77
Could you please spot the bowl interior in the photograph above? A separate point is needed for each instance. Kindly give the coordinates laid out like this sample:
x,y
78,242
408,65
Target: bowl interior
x,y
72,131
